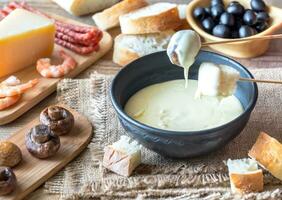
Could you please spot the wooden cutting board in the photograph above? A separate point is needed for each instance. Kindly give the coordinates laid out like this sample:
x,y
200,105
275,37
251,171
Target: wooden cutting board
x,y
48,86
32,172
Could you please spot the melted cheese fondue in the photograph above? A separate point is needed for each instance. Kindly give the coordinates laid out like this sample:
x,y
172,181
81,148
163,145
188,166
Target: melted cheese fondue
x,y
171,106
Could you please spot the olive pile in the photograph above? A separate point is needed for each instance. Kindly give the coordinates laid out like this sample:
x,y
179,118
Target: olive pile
x,y
234,21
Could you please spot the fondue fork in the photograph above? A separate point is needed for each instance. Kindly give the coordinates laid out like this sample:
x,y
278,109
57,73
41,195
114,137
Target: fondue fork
x,y
227,41
260,80
264,37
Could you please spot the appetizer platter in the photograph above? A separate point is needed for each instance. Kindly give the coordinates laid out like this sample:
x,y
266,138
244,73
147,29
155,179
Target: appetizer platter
x,y
77,55
31,162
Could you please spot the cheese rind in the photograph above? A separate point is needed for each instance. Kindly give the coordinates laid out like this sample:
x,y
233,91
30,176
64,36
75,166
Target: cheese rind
x,y
24,38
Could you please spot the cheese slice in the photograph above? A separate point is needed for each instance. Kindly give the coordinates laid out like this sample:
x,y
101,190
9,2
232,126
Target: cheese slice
x,y
24,38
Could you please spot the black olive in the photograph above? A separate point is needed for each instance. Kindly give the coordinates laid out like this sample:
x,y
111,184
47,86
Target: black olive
x,y
258,5
216,11
235,34
199,13
234,2
246,31
250,18
208,24
262,17
239,23
262,26
235,9
215,2
208,11
227,19
222,31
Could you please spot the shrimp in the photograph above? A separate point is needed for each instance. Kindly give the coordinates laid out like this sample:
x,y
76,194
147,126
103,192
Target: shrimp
x,y
47,70
12,81
9,90
8,101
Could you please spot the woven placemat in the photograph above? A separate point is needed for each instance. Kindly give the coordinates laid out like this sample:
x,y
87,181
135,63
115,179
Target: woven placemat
x,y
158,177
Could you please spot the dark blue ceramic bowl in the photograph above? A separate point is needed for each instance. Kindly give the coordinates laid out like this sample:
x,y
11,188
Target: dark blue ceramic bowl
x,y
156,68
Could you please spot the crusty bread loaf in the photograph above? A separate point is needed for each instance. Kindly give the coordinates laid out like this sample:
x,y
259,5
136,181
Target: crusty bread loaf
x,y
267,151
82,7
151,19
109,18
245,177
128,48
123,156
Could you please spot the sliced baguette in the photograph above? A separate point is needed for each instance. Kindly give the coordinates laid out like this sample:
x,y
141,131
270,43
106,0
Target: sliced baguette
x,y
154,18
267,151
109,18
123,156
82,7
128,48
182,15
245,177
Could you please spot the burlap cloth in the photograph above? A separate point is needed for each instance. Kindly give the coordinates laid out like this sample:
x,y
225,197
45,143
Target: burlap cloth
x,y
199,178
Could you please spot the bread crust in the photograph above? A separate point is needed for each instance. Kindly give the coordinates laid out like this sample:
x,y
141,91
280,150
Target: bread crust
x,y
75,6
119,162
166,20
184,26
123,56
267,152
109,18
246,183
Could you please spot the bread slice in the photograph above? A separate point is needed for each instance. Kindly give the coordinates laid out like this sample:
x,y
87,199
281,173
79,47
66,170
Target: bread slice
x,y
154,18
245,177
123,156
217,80
109,18
128,48
267,151
82,7
182,15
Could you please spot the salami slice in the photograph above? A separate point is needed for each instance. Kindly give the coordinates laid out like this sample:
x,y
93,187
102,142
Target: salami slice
x,y
83,50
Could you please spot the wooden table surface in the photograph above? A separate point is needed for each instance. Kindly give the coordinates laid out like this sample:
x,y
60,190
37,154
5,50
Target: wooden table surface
x,y
273,58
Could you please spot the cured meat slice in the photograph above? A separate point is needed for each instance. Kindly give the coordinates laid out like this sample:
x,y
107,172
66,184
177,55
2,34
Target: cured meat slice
x,y
83,50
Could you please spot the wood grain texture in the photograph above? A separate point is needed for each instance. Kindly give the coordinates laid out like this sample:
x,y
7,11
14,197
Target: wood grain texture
x,y
46,86
31,172
273,58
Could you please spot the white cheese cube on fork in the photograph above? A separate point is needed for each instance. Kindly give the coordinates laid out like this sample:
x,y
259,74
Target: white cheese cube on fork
x,y
217,80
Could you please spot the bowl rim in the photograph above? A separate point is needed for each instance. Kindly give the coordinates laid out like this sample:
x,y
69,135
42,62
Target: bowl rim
x,y
120,111
207,36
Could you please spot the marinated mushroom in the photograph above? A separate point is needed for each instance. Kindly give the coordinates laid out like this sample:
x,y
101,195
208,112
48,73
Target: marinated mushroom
x,y
42,142
59,119
8,181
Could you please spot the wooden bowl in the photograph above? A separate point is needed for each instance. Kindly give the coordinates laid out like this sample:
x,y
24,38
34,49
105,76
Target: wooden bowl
x,y
247,49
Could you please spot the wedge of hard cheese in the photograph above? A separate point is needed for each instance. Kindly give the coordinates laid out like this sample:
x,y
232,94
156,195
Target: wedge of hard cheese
x,y
24,38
